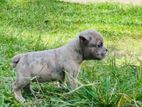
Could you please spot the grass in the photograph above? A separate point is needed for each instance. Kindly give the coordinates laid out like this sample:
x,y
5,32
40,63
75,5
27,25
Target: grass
x,y
30,25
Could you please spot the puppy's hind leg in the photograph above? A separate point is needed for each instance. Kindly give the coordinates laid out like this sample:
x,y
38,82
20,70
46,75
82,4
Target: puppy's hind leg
x,y
19,84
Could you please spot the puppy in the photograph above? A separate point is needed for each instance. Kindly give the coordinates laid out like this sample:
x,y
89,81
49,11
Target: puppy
x,y
51,65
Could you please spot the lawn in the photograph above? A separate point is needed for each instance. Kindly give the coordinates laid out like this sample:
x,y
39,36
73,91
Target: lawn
x,y
31,25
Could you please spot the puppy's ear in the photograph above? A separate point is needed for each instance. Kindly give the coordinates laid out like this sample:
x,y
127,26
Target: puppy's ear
x,y
83,40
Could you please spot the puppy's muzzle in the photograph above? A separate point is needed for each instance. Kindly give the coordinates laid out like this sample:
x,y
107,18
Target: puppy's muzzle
x,y
102,53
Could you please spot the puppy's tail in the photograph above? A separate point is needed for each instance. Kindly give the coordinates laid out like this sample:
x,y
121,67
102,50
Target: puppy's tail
x,y
15,60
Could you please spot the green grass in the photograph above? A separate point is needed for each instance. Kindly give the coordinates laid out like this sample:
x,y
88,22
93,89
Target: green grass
x,y
29,25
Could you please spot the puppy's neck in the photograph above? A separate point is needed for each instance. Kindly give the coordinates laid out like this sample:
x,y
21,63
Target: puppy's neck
x,y
75,48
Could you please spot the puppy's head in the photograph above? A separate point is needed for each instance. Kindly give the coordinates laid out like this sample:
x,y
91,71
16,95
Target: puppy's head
x,y
92,45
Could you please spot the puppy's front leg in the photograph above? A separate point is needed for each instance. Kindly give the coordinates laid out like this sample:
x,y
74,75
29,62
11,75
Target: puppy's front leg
x,y
71,81
72,74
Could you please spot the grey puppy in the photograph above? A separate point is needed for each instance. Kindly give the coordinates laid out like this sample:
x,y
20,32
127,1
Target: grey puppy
x,y
51,65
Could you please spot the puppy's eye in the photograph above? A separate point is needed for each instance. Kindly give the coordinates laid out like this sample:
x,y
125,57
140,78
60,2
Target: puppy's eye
x,y
100,45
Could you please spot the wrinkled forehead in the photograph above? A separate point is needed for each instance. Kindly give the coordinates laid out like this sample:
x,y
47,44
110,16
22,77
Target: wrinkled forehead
x,y
95,37
92,35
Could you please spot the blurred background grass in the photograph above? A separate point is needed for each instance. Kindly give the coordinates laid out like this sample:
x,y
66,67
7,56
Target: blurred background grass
x,y
30,25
